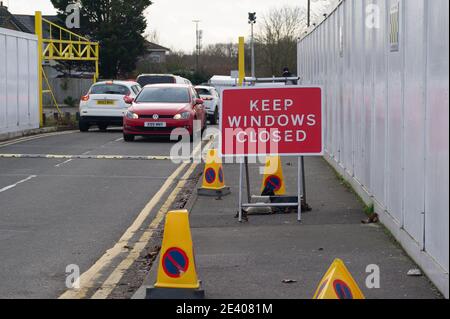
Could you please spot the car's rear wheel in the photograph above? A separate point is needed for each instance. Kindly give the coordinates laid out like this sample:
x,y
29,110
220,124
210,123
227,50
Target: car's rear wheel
x,y
128,137
83,126
205,125
215,117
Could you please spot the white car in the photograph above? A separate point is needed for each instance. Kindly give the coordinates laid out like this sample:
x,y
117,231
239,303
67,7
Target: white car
x,y
106,103
146,79
211,98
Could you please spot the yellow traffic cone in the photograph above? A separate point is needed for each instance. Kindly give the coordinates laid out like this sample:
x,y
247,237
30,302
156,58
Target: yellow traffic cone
x,y
273,176
338,283
213,177
177,275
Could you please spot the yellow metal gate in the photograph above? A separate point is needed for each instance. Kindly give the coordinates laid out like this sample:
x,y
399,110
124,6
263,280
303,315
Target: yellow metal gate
x,y
63,45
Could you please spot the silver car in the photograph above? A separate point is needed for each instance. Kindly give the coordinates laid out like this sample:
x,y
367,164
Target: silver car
x,y
212,99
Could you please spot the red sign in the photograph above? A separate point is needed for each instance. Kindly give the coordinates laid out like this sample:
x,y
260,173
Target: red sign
x,y
276,121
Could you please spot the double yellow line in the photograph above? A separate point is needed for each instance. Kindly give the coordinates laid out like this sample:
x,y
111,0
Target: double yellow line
x,y
92,278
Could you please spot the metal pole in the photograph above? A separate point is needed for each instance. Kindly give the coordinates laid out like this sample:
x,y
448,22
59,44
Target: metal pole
x,y
197,43
303,179
299,190
253,53
240,190
96,75
309,14
241,61
241,83
247,177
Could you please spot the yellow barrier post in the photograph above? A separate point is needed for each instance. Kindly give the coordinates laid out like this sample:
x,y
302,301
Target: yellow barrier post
x,y
38,32
241,60
177,274
96,63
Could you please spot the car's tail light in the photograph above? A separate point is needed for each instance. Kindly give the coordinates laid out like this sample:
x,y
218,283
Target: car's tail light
x,y
128,99
85,98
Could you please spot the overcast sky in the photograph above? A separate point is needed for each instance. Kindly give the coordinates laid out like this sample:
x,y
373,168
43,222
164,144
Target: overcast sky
x,y
221,20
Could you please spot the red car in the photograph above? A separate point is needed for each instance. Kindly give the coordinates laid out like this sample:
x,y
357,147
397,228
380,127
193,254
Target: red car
x,y
161,108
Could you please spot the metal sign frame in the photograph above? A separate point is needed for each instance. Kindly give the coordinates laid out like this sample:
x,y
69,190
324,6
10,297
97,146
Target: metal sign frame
x,y
243,162
300,192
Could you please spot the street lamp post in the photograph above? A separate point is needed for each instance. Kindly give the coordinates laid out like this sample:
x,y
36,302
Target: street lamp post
x,y
252,21
197,43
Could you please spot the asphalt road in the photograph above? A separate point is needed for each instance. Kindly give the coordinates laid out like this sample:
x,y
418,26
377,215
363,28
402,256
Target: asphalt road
x,y
56,212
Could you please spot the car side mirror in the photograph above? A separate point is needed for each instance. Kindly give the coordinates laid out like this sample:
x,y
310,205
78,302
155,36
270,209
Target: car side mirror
x,y
128,99
199,101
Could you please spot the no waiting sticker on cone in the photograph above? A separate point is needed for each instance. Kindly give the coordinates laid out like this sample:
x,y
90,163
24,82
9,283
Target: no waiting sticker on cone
x,y
272,121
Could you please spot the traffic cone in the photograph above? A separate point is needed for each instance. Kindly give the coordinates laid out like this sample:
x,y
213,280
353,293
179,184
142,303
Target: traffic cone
x,y
273,180
177,275
213,177
338,283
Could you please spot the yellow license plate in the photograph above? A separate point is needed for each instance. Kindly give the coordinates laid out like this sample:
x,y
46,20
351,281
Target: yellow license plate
x,y
105,102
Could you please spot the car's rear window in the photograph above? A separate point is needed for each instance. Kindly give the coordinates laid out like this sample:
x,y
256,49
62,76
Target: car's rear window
x,y
144,80
115,89
203,92
163,95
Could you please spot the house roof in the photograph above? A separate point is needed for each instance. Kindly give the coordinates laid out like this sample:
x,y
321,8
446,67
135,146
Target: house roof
x,y
9,21
150,46
21,22
28,21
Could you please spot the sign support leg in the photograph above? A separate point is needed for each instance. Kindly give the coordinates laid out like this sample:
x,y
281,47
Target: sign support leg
x,y
299,188
247,178
303,181
241,166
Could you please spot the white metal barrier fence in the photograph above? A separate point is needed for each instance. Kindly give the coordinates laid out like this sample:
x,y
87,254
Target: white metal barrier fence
x,y
19,109
384,65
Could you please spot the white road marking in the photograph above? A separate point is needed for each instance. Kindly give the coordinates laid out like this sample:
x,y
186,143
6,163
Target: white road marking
x,y
119,139
65,162
4,189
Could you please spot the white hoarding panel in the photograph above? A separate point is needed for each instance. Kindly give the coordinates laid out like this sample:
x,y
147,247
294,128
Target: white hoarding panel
x,y
384,66
414,118
19,109
395,130
437,134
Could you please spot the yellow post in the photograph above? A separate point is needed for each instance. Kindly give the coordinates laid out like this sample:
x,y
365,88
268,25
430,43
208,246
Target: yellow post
x,y
96,63
241,60
38,31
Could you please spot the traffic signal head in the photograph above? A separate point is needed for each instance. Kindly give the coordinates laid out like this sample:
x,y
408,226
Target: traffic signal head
x,y
252,17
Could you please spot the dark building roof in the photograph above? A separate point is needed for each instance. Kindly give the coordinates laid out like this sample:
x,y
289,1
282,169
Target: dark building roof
x,y
150,46
21,22
28,21
8,21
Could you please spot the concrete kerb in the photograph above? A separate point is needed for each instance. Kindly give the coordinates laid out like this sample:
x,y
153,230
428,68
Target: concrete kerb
x,y
13,135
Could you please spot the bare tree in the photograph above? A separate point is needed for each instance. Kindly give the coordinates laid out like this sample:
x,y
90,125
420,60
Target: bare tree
x,y
276,39
152,36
